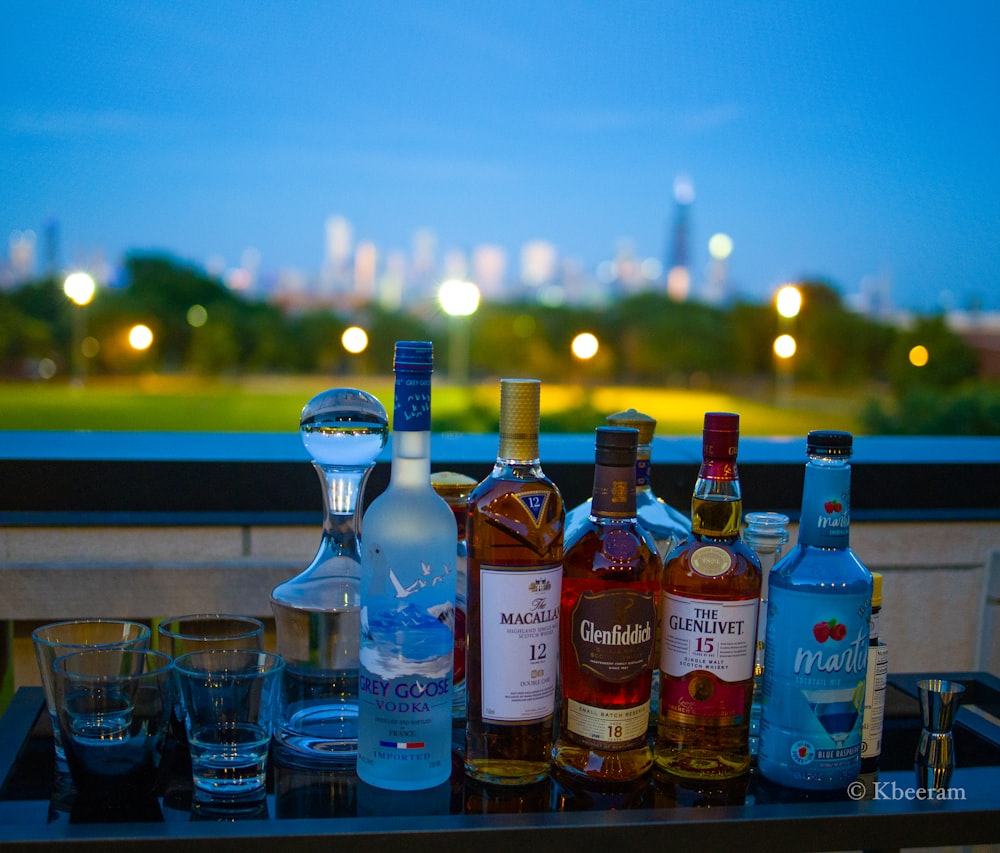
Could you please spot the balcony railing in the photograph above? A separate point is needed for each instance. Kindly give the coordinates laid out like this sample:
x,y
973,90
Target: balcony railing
x,y
151,524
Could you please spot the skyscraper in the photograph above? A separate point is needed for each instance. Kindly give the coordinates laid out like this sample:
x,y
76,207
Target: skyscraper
x,y
679,260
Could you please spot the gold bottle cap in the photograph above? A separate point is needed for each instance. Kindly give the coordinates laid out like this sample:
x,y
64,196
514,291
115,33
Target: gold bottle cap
x,y
637,420
452,486
876,589
519,407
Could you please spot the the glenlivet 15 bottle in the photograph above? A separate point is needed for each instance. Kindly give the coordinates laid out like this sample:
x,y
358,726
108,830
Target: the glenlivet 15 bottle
x,y
515,548
711,590
611,579
407,602
816,650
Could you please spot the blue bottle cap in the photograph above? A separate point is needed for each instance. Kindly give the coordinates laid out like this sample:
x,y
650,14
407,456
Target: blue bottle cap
x,y
413,356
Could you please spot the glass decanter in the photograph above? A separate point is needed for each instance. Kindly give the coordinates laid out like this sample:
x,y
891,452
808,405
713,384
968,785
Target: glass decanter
x,y
317,613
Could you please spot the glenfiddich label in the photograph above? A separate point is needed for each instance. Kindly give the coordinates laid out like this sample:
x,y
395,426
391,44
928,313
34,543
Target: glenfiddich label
x,y
613,633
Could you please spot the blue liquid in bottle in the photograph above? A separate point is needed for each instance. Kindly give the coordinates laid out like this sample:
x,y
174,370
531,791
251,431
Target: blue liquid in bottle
x,y
816,647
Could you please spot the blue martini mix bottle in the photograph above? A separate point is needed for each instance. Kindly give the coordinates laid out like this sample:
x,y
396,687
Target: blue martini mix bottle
x,y
407,602
816,649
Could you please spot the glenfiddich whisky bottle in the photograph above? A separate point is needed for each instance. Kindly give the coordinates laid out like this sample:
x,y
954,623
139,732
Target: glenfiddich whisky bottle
x,y
711,589
515,549
611,578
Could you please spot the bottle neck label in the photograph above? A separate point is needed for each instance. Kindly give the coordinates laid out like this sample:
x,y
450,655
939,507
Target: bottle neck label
x,y
826,507
614,492
642,468
412,402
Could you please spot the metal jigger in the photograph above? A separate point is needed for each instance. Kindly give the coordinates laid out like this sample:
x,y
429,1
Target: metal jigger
x,y
935,759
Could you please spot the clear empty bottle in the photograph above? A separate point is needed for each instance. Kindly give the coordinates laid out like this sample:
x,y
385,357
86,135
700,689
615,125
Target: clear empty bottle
x,y
317,613
766,533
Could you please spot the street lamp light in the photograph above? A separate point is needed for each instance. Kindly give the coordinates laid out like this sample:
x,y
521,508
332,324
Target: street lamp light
x,y
79,287
354,340
459,299
788,301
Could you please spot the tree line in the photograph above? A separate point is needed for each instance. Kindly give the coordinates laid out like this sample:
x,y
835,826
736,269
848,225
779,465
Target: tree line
x,y
646,338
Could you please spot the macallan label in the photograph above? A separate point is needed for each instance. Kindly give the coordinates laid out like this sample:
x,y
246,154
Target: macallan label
x,y
607,728
519,641
534,503
613,633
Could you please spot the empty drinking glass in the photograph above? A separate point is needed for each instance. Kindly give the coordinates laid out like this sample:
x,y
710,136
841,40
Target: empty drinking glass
x,y
113,706
229,699
178,635
60,638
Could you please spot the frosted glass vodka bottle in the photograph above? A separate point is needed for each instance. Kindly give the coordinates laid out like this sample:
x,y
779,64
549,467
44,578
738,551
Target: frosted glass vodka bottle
x,y
816,648
407,602
317,612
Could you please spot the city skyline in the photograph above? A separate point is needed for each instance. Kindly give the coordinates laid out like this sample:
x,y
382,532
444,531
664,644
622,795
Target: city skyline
x,y
847,143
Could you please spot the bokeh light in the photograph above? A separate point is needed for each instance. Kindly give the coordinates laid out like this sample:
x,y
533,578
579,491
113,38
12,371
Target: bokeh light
x,y
784,346
79,287
354,340
459,298
140,337
720,246
197,316
919,356
789,301
584,346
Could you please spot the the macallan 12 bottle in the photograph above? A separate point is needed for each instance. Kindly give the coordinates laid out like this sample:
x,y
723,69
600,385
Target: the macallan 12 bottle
x,y
611,578
515,547
711,589
407,602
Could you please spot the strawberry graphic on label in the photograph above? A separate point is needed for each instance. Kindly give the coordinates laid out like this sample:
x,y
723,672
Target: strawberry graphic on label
x,y
833,506
831,630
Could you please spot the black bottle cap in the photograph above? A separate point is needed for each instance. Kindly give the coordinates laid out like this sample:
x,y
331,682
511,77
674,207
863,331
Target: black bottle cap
x,y
829,442
617,446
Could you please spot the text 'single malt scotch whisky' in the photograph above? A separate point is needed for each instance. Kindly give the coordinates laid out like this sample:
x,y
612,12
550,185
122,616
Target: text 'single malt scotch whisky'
x,y
611,578
515,550
711,590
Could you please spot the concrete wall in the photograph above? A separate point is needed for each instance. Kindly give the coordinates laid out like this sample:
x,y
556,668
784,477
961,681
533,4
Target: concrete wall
x,y
941,607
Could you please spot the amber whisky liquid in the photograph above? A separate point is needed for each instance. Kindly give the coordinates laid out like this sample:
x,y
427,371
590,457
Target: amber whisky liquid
x,y
515,544
710,596
515,549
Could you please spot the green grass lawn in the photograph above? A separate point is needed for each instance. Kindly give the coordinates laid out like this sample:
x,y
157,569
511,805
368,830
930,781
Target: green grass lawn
x,y
273,404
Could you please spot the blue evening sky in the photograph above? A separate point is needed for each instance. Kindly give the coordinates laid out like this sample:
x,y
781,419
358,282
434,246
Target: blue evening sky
x,y
844,140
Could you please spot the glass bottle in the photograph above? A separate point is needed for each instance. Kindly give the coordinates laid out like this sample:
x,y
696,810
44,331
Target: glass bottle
x,y
515,542
766,533
407,602
668,527
711,589
455,489
875,686
317,613
611,579
816,648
